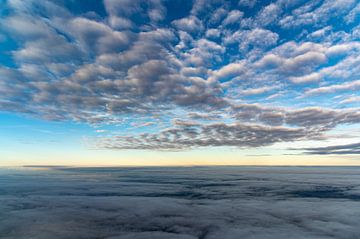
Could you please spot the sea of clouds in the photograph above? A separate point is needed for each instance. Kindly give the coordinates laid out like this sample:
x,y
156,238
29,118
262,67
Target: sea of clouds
x,y
183,202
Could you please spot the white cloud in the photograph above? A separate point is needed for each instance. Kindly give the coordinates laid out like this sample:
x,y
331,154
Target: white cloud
x,y
213,33
257,38
257,91
313,77
352,99
189,24
229,71
233,17
268,15
314,14
353,85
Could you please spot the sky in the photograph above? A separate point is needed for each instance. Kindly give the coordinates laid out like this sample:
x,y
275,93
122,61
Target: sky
x,y
179,82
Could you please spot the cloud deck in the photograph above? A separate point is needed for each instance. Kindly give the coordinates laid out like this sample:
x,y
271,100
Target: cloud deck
x,y
198,202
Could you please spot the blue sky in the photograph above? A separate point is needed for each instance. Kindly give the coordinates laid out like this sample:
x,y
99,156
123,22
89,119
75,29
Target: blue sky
x,y
139,82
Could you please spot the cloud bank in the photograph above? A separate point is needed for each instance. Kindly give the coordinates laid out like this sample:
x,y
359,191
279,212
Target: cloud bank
x,y
199,202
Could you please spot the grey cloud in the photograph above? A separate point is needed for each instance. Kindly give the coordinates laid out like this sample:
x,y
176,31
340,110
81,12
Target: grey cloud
x,y
126,9
93,71
194,135
267,126
98,37
229,71
258,113
304,62
325,118
203,54
218,15
299,63
37,37
204,116
123,7
97,70
120,23
293,59
182,202
315,117
353,148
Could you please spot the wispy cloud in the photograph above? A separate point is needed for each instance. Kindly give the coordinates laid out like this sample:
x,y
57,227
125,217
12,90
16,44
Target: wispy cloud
x,y
353,148
354,85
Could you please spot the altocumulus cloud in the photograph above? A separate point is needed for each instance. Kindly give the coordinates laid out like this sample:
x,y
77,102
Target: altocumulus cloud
x,y
136,59
271,125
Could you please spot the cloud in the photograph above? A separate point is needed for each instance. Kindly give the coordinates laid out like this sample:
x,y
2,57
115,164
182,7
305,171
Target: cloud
x,y
228,71
268,14
124,11
311,117
97,64
98,37
214,135
146,124
353,148
353,14
265,126
324,118
305,79
352,99
257,38
233,17
291,59
334,88
189,24
257,91
204,116
317,14
247,3
190,202
304,62
213,33
204,53
130,59
101,131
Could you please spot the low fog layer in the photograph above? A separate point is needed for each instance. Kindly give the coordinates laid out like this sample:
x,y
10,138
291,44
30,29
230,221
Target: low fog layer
x,y
199,202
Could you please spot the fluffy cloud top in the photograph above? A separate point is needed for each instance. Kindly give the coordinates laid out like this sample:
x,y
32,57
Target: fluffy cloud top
x,y
197,202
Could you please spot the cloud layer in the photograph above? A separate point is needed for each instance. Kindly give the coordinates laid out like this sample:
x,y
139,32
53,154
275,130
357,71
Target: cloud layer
x,y
154,62
199,202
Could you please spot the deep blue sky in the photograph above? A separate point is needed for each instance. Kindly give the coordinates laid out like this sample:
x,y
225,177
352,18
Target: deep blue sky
x,y
253,81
